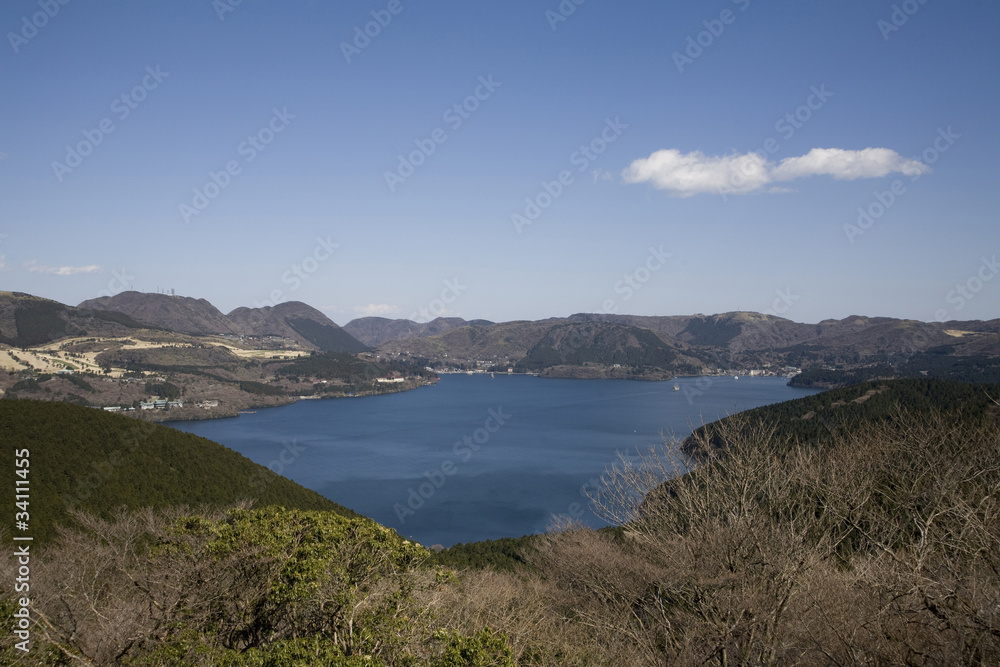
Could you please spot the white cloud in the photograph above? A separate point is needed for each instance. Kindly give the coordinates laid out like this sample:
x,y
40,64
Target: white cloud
x,y
687,174
4,266
376,310
847,165
35,267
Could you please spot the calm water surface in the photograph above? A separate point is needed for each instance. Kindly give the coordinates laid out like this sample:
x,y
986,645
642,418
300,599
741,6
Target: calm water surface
x,y
438,465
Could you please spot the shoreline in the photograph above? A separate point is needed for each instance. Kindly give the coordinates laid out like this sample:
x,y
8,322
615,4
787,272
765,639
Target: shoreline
x,y
207,415
296,399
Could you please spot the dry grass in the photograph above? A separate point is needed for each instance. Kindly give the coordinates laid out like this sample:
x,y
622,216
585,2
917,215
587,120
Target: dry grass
x,y
882,548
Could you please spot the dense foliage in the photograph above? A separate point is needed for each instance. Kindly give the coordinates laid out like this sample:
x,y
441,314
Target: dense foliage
x,y
326,337
818,418
166,390
937,363
506,553
712,332
605,344
38,321
349,370
261,389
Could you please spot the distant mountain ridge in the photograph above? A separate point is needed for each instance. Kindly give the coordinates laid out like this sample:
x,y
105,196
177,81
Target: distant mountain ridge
x,y
606,350
27,320
298,321
737,339
703,343
374,331
183,314
293,319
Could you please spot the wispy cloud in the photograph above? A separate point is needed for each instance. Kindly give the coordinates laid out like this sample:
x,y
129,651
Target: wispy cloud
x,y
687,174
376,310
35,267
4,266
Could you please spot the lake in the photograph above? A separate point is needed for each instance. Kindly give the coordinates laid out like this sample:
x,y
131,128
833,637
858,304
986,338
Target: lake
x,y
475,457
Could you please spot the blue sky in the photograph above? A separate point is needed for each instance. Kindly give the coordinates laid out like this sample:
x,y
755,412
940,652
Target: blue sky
x,y
714,156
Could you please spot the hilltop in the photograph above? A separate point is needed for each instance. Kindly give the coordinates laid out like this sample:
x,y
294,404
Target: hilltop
x,y
27,320
122,354
296,321
163,311
291,320
727,342
604,350
374,331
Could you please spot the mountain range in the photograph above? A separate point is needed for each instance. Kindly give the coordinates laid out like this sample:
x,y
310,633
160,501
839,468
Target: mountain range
x,y
655,346
293,320
373,331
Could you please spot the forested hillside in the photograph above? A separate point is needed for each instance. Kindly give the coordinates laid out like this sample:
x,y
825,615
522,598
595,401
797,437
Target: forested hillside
x,y
818,418
89,460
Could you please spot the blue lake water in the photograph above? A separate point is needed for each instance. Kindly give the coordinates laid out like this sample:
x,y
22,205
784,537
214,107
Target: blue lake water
x,y
476,457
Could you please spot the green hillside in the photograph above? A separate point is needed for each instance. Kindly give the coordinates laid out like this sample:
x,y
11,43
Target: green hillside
x,y
27,320
98,462
325,337
704,331
936,363
822,416
607,345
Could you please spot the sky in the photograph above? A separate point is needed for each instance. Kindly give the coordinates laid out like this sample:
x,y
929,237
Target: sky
x,y
516,160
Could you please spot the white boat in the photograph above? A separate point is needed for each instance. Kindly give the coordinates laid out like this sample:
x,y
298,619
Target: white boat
x,y
736,377
677,387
